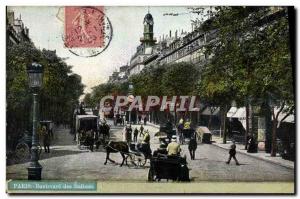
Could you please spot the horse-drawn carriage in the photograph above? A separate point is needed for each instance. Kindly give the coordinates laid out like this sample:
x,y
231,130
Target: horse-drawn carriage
x,y
89,131
86,127
137,153
168,167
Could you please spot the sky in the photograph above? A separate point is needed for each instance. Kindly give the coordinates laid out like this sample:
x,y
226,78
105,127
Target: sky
x,y
46,30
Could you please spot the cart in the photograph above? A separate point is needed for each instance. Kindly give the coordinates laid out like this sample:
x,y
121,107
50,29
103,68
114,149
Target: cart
x,y
139,154
204,134
168,167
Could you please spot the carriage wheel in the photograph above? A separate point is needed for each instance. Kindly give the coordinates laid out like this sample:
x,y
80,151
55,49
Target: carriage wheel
x,y
22,152
138,160
144,160
150,175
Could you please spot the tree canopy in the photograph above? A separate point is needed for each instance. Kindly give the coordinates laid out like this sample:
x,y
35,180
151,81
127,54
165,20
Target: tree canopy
x,y
250,57
58,96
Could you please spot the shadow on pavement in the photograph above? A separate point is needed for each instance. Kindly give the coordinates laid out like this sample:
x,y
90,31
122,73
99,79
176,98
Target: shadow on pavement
x,y
43,156
57,153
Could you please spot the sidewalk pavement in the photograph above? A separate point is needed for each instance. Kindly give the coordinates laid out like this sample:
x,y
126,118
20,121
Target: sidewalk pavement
x,y
262,155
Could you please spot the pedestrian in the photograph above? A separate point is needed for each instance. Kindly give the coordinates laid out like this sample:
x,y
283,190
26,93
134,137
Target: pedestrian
x,y
46,139
128,133
140,118
145,120
173,147
247,142
123,120
193,146
252,147
232,153
135,134
180,131
141,131
169,129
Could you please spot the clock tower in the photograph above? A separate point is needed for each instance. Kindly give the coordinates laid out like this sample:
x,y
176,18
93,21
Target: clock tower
x,y
148,39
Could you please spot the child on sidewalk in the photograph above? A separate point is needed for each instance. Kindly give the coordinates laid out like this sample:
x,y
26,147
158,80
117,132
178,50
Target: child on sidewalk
x,y
232,153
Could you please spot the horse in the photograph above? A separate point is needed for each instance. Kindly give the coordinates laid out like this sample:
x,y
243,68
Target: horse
x,y
115,147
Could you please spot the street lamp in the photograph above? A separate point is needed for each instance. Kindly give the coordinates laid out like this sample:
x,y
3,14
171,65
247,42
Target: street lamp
x,y
35,75
130,99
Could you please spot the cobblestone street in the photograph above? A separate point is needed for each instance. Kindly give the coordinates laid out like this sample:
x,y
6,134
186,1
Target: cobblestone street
x,y
67,162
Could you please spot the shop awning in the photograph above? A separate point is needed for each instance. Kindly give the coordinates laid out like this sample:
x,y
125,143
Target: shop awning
x,y
235,112
240,113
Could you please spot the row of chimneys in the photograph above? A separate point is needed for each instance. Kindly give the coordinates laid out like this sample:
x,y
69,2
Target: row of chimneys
x,y
170,35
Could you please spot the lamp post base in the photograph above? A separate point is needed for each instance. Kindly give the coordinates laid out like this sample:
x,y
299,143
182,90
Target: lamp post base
x,y
34,173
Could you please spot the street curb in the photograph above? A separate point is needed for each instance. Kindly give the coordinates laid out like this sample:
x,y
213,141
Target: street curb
x,y
257,157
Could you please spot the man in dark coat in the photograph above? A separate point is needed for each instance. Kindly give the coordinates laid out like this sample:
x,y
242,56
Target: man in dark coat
x,y
141,131
135,134
169,128
193,146
232,153
46,139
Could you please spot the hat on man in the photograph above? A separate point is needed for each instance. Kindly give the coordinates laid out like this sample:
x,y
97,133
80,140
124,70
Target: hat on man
x,y
174,138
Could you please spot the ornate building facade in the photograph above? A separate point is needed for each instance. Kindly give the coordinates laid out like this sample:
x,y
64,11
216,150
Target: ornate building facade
x,y
16,32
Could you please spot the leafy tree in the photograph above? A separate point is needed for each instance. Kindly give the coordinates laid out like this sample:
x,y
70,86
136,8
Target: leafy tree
x,y
180,79
250,57
98,92
58,96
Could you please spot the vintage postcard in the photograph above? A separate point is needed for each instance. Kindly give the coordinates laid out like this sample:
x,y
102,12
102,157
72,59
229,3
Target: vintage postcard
x,y
150,99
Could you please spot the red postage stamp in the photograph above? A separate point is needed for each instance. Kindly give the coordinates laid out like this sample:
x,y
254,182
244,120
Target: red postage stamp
x,y
84,27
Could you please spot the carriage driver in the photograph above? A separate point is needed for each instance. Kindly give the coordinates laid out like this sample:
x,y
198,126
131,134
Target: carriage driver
x,y
146,138
187,125
173,147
